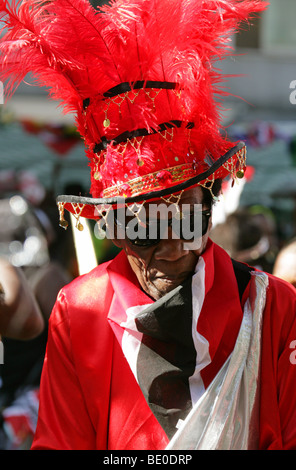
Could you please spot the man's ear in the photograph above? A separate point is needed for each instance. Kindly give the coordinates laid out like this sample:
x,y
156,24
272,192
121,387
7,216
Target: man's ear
x,y
210,224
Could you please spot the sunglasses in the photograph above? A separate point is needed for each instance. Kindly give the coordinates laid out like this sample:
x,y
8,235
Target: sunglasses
x,y
152,232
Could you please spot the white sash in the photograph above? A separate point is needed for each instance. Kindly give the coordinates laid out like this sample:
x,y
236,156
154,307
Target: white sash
x,y
226,416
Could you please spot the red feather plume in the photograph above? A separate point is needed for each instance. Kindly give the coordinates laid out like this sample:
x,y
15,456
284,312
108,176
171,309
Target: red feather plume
x,y
80,53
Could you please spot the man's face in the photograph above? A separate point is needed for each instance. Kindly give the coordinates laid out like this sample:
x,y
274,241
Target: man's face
x,y
165,265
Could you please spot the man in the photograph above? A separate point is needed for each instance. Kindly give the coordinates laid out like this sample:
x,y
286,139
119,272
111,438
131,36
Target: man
x,y
171,345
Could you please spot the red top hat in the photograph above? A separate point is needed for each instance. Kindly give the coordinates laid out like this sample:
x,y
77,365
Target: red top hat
x,y
139,76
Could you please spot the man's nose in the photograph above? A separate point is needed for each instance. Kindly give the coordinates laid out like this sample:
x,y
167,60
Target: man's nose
x,y
170,249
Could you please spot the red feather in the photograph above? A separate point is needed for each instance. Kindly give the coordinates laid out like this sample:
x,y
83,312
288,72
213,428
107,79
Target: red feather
x,y
79,53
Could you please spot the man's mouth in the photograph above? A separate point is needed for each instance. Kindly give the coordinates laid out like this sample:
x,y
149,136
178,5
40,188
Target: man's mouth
x,y
173,277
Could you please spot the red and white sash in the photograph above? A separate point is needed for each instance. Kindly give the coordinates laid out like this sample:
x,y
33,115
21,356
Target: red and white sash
x,y
218,331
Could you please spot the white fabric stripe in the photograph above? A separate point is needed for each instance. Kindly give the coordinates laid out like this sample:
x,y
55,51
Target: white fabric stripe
x,y
132,338
201,345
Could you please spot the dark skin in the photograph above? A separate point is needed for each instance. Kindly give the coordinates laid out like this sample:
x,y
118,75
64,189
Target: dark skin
x,y
162,267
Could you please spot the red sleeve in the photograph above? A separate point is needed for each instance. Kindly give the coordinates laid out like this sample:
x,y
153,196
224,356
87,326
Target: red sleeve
x,y
63,421
278,368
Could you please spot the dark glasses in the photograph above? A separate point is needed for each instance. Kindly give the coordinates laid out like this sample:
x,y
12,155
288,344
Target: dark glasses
x,y
149,233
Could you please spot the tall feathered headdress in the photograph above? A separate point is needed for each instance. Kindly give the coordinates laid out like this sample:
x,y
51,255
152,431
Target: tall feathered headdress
x,y
140,77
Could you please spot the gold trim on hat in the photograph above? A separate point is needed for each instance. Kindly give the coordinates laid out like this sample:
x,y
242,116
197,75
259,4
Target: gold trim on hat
x,y
152,181
173,175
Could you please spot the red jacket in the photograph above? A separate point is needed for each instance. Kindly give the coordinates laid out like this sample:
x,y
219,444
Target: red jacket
x,y
89,396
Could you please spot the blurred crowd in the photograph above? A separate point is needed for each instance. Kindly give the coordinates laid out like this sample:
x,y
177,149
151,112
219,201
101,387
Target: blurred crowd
x,y
37,258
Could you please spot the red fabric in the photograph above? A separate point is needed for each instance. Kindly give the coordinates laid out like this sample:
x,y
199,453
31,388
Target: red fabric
x,y
89,396
76,386
278,373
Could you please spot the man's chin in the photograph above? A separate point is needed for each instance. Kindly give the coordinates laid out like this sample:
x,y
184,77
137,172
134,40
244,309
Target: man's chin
x,y
163,285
